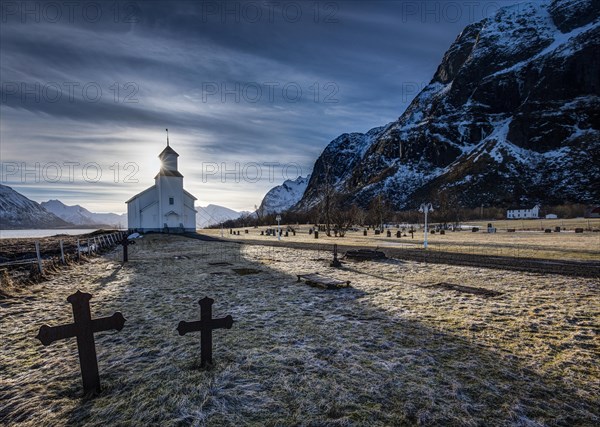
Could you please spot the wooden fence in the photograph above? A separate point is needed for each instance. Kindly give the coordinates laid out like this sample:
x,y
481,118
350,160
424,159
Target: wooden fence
x,y
90,246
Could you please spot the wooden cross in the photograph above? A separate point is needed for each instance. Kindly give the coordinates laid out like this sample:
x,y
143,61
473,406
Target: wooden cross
x,y
125,243
83,328
205,325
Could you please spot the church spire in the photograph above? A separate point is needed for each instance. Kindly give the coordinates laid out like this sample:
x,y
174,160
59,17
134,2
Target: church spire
x,y
167,137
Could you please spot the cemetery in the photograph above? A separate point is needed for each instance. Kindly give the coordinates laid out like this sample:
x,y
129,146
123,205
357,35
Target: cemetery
x,y
195,332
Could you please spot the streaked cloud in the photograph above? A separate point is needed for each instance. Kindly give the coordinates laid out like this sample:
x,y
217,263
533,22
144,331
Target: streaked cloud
x,y
234,90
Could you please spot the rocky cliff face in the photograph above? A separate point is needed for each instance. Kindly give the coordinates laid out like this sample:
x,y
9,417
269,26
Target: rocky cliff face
x,y
512,115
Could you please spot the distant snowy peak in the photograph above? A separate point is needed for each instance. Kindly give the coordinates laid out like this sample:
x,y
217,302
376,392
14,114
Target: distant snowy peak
x,y
214,215
284,196
79,215
19,212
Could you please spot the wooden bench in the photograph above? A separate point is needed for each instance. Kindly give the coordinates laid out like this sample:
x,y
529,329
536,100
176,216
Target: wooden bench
x,y
316,279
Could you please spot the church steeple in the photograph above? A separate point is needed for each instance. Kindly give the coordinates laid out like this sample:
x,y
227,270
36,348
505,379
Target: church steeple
x,y
168,159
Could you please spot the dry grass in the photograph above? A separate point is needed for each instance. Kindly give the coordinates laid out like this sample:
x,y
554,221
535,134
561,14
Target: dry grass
x,y
521,244
390,350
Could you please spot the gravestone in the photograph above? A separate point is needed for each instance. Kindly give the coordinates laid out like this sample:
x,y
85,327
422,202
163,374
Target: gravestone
x,y
557,229
389,233
83,328
475,229
364,232
294,232
547,230
579,230
246,231
364,254
205,325
262,233
398,234
376,232
287,234
316,234
442,232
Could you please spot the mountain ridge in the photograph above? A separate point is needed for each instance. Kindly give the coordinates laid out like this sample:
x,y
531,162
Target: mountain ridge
x,y
511,112
18,212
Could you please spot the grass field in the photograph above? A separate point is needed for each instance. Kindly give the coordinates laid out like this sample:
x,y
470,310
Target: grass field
x,y
565,245
397,348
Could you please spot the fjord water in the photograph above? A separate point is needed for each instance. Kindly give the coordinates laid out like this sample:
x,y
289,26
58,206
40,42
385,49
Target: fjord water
x,y
15,234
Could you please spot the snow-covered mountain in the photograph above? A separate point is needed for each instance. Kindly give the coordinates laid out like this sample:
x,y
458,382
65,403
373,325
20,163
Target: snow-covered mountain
x,y
284,196
215,214
19,212
511,116
81,216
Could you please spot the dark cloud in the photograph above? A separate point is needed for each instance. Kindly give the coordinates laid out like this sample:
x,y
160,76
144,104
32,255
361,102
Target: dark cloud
x,y
235,81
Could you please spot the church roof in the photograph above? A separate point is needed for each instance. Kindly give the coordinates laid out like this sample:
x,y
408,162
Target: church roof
x,y
165,172
189,194
166,151
140,193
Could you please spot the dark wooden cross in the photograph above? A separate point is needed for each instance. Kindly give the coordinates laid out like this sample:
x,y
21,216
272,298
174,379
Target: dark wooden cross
x,y
125,243
205,325
83,328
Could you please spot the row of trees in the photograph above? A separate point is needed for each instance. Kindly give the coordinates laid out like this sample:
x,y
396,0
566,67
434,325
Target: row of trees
x,y
334,214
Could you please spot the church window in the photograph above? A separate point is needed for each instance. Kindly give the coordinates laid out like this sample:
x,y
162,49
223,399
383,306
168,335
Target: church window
x,y
171,201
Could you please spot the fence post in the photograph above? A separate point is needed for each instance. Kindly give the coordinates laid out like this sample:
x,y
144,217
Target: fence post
x,y
78,251
62,252
89,247
39,256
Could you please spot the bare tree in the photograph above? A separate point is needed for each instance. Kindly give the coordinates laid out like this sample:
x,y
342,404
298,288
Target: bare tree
x,y
260,213
379,211
328,200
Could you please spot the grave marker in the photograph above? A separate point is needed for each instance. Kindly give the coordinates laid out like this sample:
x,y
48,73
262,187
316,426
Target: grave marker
x,y
205,325
83,328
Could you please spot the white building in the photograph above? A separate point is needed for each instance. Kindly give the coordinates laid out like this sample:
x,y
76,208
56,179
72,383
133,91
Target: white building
x,y
523,213
166,206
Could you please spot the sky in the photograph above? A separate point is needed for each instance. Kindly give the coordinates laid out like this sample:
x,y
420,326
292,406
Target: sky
x,y
251,91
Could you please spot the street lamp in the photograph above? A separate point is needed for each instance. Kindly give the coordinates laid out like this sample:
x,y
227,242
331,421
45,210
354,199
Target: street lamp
x,y
278,219
426,208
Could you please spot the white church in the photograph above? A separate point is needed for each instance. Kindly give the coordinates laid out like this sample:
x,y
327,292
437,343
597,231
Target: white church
x,y
165,207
